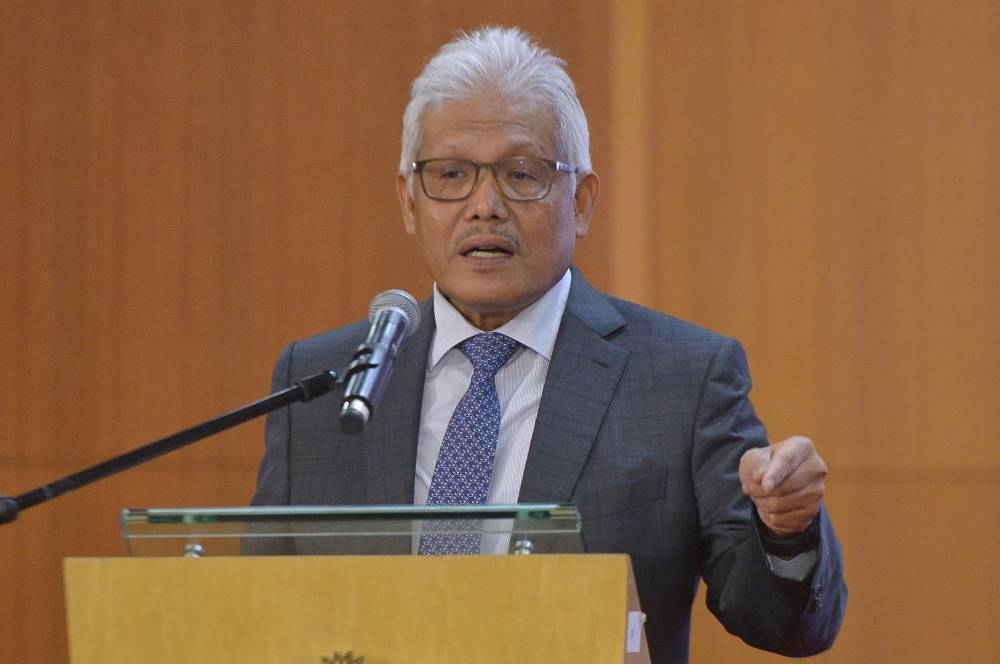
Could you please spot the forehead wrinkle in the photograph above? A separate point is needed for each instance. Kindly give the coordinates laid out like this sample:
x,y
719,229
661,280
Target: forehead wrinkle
x,y
503,139
456,150
488,127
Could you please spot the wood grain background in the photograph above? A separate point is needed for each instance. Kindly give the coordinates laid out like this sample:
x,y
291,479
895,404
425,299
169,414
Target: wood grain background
x,y
185,186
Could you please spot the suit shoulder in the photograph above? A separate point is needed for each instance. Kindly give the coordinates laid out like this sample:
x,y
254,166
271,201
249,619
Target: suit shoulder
x,y
649,326
656,340
351,335
327,350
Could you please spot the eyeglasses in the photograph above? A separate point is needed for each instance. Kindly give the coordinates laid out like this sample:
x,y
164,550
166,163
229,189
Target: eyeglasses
x,y
519,178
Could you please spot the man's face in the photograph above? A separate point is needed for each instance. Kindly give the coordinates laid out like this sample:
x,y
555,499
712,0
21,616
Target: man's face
x,y
492,257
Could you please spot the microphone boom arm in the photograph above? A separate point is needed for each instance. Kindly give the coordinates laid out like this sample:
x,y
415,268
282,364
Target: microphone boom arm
x,y
303,390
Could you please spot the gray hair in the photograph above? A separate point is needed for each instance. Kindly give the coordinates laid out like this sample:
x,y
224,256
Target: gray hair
x,y
508,61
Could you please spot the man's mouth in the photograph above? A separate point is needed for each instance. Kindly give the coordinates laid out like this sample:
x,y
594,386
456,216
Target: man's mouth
x,y
482,245
486,252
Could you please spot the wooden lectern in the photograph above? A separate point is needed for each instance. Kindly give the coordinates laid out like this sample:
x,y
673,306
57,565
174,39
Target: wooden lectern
x,y
323,609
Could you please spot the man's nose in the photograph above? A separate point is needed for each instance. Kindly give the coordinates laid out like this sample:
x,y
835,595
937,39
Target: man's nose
x,y
486,201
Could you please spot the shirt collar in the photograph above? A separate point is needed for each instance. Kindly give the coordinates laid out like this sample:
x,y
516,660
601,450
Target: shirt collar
x,y
536,327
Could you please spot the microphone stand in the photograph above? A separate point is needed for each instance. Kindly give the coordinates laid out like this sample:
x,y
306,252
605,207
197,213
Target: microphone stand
x,y
303,390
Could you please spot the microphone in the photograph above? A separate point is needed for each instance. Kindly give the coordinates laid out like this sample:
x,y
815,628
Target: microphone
x,y
394,315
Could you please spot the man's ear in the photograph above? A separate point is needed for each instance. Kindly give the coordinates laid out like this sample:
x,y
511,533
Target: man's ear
x,y
406,205
586,201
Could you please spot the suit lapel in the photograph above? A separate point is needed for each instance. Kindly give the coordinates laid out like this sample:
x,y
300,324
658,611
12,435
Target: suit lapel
x,y
581,381
391,440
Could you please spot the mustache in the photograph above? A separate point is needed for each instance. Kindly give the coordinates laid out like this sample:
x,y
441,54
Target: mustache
x,y
499,232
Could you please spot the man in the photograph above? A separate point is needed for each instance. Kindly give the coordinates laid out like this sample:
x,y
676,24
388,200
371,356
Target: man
x,y
641,420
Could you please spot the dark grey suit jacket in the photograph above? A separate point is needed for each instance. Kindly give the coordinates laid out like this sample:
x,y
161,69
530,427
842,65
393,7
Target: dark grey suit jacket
x,y
641,424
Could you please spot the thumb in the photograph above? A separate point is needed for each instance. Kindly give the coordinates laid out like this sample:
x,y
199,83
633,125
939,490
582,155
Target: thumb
x,y
753,465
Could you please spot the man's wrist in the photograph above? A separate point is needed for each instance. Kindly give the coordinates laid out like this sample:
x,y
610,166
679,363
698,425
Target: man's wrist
x,y
787,546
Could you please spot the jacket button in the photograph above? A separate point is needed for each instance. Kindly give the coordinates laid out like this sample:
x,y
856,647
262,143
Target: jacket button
x,y
815,600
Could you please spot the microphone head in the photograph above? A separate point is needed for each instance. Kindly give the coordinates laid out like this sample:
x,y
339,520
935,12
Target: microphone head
x,y
402,302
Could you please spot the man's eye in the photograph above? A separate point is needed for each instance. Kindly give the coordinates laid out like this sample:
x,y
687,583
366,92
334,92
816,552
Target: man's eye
x,y
522,175
449,171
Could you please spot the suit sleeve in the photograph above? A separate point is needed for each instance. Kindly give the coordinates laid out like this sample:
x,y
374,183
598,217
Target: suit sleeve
x,y
272,478
794,618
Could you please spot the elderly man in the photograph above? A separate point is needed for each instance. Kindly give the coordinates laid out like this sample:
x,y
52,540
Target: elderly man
x,y
641,420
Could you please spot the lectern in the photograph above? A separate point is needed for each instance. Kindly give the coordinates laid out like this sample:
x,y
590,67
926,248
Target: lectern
x,y
235,585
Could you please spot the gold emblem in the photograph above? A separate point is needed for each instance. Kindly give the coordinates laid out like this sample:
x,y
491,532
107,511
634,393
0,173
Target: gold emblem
x,y
347,658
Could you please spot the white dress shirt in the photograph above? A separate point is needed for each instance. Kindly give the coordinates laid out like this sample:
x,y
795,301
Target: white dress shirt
x,y
519,386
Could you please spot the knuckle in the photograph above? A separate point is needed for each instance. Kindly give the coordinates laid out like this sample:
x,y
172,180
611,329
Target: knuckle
x,y
765,504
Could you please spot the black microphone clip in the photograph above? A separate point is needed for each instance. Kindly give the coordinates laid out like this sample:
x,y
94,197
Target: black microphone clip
x,y
394,315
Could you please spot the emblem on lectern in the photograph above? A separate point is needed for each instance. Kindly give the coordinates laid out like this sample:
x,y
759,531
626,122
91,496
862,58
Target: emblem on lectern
x,y
347,658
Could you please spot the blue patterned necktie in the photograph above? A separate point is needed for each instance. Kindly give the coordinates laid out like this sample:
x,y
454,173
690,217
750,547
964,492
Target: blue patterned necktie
x,y
465,463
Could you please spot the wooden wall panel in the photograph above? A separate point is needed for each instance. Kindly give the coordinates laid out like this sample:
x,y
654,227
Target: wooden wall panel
x,y
188,185
823,182
823,186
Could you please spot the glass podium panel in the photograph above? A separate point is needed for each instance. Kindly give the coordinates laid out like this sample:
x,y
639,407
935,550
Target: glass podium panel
x,y
348,530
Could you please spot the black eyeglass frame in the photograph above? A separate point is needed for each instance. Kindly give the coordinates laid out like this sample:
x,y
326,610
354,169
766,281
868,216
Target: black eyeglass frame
x,y
556,166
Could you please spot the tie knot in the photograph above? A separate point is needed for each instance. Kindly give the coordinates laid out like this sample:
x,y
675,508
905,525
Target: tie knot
x,y
488,351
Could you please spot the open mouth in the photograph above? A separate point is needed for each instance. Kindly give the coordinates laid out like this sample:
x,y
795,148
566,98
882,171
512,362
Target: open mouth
x,y
486,252
477,244
482,245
